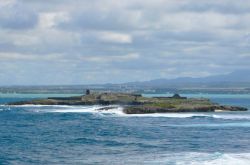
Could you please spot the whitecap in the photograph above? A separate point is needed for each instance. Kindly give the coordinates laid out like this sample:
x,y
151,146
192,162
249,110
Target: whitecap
x,y
202,158
168,115
232,116
225,116
234,124
117,111
35,106
78,109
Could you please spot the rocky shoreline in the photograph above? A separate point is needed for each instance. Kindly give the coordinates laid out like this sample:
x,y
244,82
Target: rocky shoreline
x,y
136,103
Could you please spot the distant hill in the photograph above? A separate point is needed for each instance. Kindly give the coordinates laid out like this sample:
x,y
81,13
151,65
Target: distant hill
x,y
237,78
238,81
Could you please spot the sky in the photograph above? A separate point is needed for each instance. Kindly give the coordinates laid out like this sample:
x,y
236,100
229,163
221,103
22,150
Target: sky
x,y
113,41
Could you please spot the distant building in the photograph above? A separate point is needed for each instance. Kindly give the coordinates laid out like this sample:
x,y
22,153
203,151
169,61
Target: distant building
x,y
87,92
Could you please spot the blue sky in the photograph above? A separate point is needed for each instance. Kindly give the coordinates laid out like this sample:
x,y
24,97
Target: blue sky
x,y
100,41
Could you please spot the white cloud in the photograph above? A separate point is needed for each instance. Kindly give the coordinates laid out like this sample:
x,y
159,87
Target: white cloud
x,y
112,58
51,19
4,3
17,16
160,38
28,57
114,37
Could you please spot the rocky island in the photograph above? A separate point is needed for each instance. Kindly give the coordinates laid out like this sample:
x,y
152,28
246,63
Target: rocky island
x,y
136,103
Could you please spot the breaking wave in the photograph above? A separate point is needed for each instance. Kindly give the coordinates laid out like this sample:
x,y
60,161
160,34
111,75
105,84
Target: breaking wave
x,y
203,158
73,109
117,111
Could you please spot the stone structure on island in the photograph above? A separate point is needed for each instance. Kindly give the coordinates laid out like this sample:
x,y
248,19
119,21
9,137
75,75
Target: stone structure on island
x,y
87,92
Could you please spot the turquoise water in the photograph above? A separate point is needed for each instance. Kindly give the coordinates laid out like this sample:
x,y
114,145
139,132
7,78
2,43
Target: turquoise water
x,y
83,135
205,95
17,95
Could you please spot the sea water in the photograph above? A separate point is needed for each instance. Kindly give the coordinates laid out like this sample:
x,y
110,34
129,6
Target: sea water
x,y
83,135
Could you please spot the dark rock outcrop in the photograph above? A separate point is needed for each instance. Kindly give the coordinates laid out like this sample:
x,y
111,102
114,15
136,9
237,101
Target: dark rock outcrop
x,y
137,104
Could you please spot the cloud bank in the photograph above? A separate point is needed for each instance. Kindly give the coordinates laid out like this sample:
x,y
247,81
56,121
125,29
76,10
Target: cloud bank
x,y
83,42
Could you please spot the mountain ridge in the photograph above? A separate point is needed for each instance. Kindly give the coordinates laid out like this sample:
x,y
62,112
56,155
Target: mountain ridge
x,y
233,78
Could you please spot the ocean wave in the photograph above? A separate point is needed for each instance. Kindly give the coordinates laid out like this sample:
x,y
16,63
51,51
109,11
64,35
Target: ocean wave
x,y
169,115
232,116
193,115
117,111
203,158
232,124
74,109
96,109
35,106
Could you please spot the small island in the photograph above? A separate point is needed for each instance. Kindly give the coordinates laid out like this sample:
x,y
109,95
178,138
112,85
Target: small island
x,y
136,103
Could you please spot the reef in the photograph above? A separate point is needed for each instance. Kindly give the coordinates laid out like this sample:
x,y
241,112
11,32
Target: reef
x,y
136,103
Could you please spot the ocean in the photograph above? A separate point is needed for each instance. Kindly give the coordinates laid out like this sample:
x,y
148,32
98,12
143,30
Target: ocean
x,y
83,135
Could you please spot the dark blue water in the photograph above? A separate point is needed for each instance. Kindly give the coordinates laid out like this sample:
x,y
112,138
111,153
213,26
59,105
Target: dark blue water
x,y
81,135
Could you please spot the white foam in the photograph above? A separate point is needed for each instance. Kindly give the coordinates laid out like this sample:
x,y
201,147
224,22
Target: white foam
x,y
232,116
190,115
95,109
117,111
78,109
234,124
168,115
202,158
35,106
230,159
